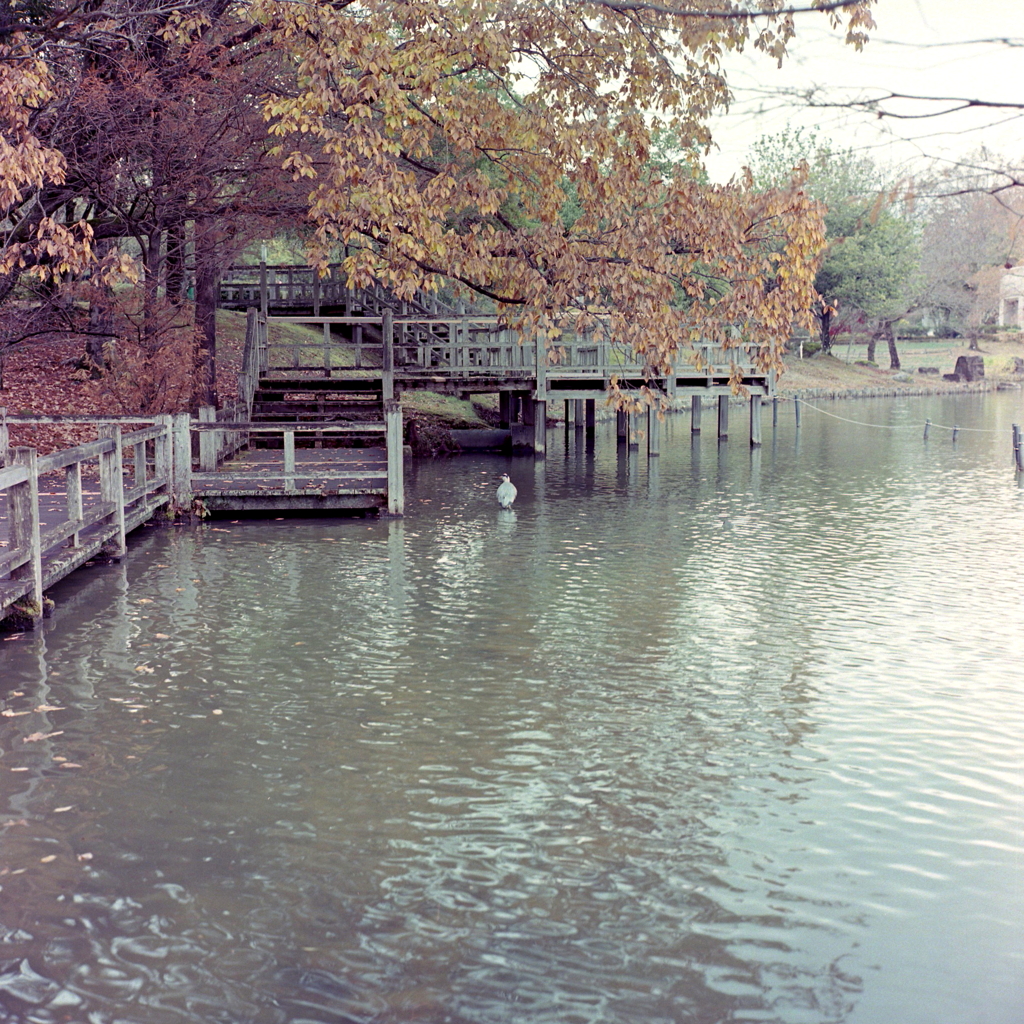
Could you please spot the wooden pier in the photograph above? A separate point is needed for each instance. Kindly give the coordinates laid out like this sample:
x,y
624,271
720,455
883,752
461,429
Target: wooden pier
x,y
365,335
317,424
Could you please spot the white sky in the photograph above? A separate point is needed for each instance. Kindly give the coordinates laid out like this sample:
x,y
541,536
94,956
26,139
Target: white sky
x,y
932,48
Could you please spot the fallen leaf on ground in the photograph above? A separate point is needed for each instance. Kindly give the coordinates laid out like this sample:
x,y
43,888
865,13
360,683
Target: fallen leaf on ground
x,y
85,856
216,711
48,860
144,600
162,636
48,707
61,810
7,713
70,764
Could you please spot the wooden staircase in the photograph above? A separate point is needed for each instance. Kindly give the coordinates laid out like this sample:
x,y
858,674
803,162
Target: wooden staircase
x,y
355,403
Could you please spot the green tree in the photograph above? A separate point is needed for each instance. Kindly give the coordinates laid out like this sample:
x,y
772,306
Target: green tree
x,y
871,261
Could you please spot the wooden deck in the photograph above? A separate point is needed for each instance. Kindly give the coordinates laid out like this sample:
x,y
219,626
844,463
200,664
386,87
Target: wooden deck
x,y
264,479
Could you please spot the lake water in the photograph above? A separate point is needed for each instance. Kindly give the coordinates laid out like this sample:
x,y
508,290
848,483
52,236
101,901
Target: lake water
x,y
730,736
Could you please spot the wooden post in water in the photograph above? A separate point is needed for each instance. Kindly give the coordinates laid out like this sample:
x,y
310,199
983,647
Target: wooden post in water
x,y
181,473
25,531
653,432
288,441
696,405
591,415
163,458
956,430
621,424
1018,456
634,430
579,414
396,462
387,327
112,488
73,490
541,366
755,421
796,410
540,433
927,424
139,463
504,409
723,417
207,441
775,413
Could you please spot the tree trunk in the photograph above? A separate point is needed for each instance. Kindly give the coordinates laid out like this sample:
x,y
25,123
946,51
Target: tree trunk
x,y
101,322
150,290
894,356
101,331
176,262
204,391
825,333
872,342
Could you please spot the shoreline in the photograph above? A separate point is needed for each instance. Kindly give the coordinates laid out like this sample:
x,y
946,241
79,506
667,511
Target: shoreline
x,y
971,388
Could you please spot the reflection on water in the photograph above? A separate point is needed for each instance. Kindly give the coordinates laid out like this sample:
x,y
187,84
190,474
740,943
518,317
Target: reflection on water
x,y
734,736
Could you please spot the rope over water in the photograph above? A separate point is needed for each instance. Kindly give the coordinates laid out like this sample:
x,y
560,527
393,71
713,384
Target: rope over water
x,y
900,426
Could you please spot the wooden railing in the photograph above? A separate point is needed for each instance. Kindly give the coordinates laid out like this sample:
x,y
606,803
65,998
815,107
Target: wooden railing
x,y
299,285
187,481
430,335
43,546
464,346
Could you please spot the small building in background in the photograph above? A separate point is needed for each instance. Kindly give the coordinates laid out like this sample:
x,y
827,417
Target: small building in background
x,y
1011,299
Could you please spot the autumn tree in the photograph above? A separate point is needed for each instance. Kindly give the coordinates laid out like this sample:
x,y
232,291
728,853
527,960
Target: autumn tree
x,y
438,143
475,109
153,119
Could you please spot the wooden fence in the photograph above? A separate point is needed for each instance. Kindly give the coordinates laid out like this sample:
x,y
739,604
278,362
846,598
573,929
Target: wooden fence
x,y
47,540
464,347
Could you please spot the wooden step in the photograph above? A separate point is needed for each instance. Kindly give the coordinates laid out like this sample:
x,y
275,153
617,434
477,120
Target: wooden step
x,y
360,385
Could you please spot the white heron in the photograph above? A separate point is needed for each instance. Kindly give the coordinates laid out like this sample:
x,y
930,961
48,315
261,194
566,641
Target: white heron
x,y
506,492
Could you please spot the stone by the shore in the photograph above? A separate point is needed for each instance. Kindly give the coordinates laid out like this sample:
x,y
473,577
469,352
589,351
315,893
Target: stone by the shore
x,y
970,368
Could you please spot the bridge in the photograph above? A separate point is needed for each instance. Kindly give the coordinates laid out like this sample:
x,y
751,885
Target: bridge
x,y
367,335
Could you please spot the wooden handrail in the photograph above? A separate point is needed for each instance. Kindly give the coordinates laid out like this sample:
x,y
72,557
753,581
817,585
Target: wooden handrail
x,y
39,555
